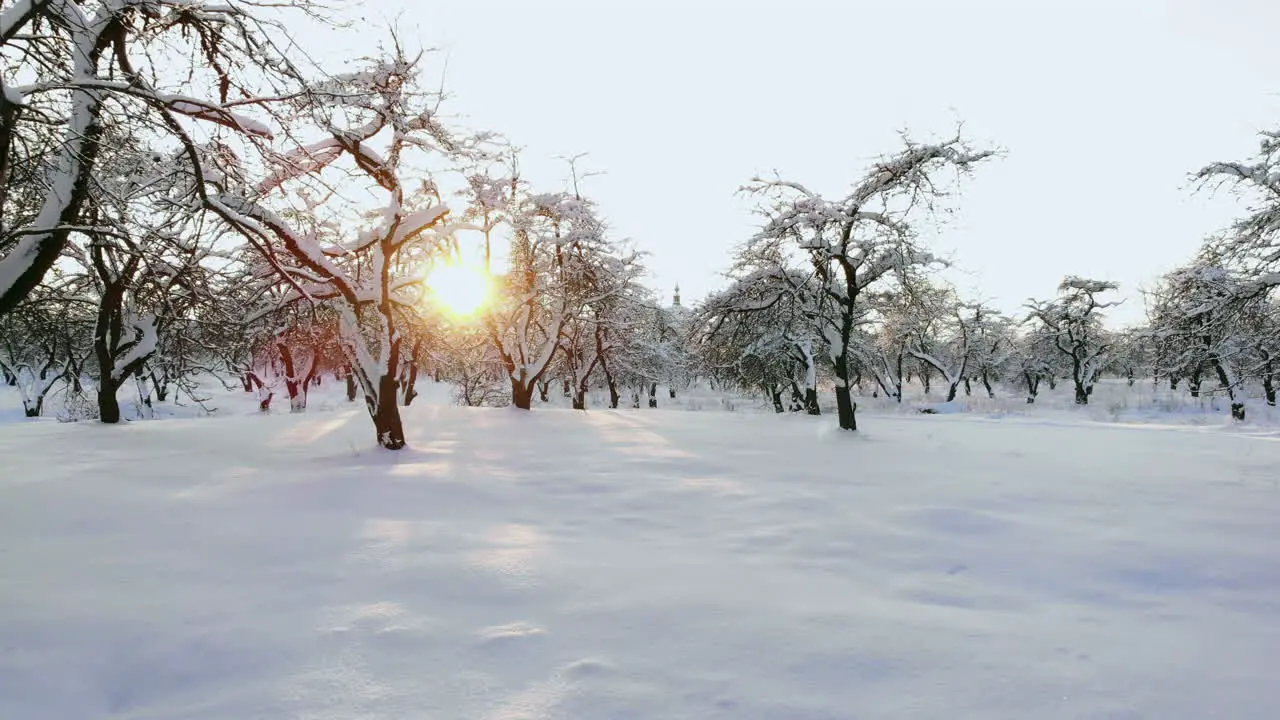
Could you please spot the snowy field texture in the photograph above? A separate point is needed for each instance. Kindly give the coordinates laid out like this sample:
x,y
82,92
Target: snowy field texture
x,y
636,564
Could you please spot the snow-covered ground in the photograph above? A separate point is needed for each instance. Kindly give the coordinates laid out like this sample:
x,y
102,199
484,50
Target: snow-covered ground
x,y
636,564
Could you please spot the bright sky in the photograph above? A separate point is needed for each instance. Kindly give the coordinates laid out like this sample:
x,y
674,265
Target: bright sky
x,y
1103,107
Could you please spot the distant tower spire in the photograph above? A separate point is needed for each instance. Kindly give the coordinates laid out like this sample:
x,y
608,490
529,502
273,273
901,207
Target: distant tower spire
x,y
676,299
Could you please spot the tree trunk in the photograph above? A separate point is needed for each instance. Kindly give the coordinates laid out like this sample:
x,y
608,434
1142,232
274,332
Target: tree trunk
x,y
9,378
1082,395
522,394
161,385
297,387
1226,379
986,383
386,414
775,394
635,399
954,387
653,395
580,400
968,389
351,386
797,398
567,388
811,402
1193,383
410,385
543,387
672,391
1033,386
1173,382
1269,382
926,379
108,406
1053,382
409,392
613,386
846,409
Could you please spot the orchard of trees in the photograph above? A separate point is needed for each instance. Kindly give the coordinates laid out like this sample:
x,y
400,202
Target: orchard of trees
x,y
184,197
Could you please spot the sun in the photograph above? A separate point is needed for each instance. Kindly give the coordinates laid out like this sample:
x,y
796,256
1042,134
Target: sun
x,y
459,289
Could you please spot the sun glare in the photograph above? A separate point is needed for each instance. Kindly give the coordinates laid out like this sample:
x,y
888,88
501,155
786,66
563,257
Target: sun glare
x,y
460,289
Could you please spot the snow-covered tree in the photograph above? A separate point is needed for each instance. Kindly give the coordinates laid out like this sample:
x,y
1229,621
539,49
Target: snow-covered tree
x,y
857,241
370,277
1073,321
77,74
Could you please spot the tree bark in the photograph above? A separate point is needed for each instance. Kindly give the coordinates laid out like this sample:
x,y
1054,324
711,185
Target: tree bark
x,y
522,394
846,409
775,394
386,414
1033,386
351,386
653,395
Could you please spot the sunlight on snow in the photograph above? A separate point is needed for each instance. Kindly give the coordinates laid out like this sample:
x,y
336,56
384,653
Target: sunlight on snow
x,y
310,431
512,550
630,436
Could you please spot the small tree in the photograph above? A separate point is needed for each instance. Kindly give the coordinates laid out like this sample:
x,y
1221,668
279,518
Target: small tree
x,y
1073,321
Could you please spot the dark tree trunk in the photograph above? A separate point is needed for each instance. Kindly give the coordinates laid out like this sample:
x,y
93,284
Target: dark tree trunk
x,y
1193,383
568,388
1269,382
106,333
986,383
1173,382
797,398
411,382
672,391
386,415
1053,382
775,394
351,385
1033,386
297,387
1082,395
968,390
522,394
160,385
1237,405
846,409
951,392
811,402
580,400
1129,374
9,378
653,395
613,385
635,399
926,379
543,387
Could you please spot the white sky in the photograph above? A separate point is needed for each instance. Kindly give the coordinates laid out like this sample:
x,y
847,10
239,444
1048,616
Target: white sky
x,y
1104,106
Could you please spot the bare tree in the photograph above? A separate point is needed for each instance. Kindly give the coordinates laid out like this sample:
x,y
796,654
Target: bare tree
x,y
1073,321
855,242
